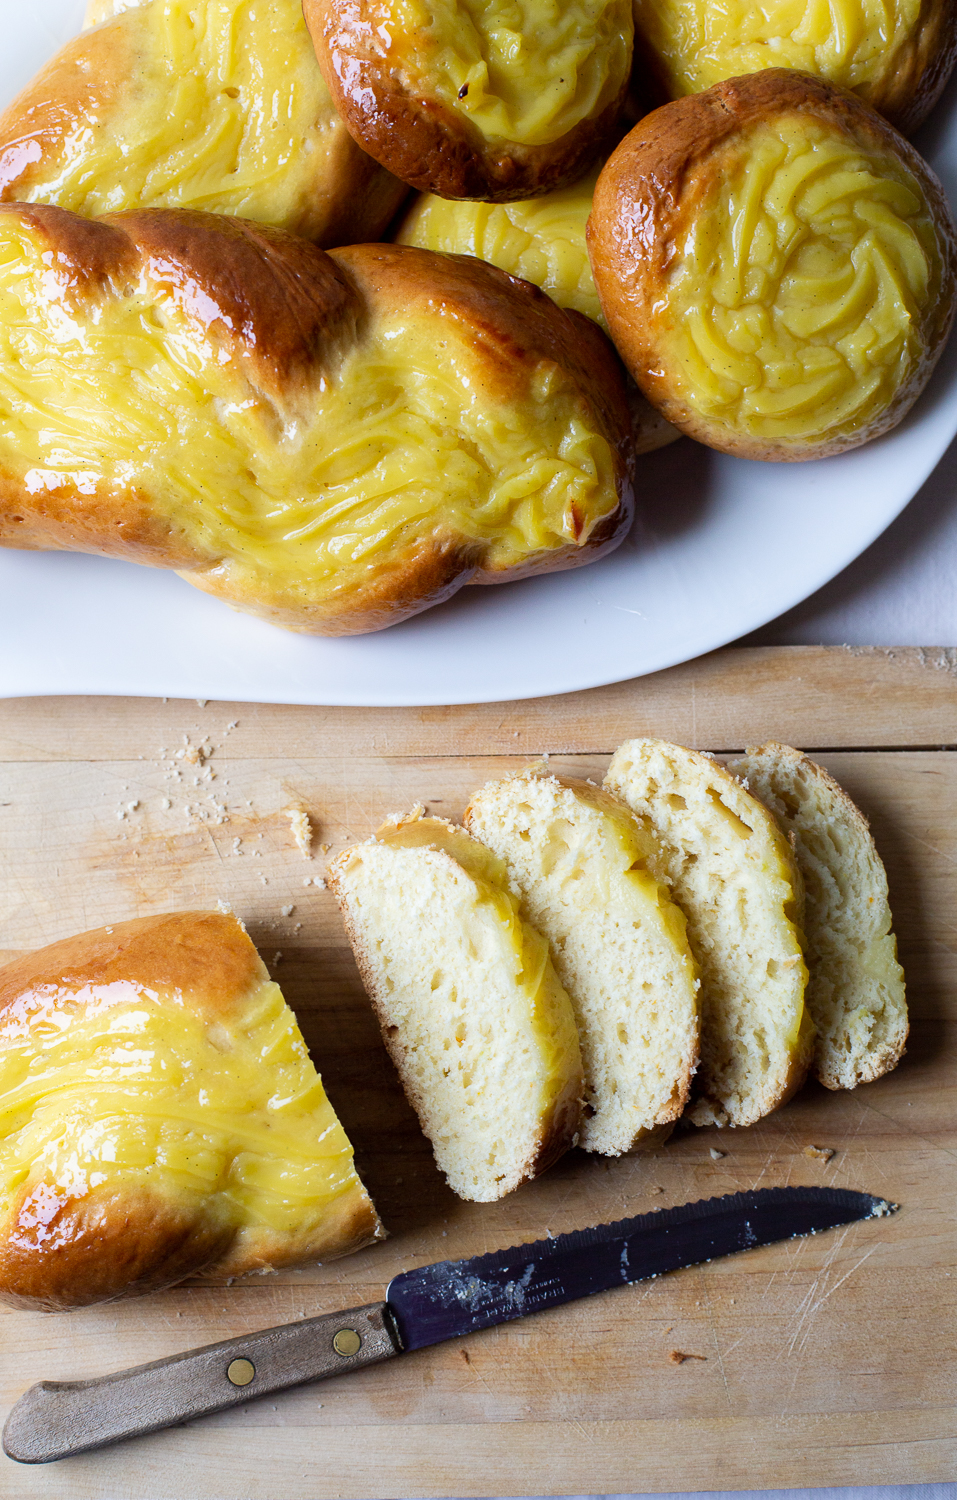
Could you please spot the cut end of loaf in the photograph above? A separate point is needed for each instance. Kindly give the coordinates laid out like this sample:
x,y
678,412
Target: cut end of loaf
x,y
479,1028
856,989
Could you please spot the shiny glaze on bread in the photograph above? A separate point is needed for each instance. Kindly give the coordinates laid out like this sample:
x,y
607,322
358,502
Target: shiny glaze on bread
x,y
477,98
220,107
332,441
160,1117
776,266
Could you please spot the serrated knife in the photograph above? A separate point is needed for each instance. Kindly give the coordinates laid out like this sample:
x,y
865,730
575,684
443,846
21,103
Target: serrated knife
x,y
55,1419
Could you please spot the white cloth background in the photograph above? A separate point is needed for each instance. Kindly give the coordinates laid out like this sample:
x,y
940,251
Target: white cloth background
x,y
901,592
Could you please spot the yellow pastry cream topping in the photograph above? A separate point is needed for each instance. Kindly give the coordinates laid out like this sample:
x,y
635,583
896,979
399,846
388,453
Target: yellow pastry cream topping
x,y
798,290
218,106
848,42
119,1089
539,239
526,71
301,499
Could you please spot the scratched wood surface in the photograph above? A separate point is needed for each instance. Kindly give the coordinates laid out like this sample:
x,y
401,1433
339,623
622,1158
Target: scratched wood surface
x,y
821,1362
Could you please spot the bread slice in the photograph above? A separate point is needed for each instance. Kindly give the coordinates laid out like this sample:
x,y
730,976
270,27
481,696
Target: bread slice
x,y
161,1118
580,862
471,1009
855,989
731,870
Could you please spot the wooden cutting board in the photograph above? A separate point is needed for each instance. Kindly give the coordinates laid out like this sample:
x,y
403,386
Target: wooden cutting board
x,y
819,1362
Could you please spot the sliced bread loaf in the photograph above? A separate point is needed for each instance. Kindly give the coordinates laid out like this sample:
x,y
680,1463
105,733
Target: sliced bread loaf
x,y
471,1009
730,869
855,989
580,861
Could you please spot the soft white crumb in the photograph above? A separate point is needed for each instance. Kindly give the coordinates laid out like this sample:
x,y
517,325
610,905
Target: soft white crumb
x,y
301,830
416,811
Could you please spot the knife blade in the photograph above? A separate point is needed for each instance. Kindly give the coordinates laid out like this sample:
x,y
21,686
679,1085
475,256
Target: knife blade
x,y
56,1419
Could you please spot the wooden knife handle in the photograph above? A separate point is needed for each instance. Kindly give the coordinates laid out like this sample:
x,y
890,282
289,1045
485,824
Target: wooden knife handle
x,y
55,1419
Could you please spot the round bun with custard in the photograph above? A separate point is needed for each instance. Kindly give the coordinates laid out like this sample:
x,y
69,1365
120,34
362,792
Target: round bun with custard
x,y
161,1118
896,55
331,441
776,266
477,98
220,107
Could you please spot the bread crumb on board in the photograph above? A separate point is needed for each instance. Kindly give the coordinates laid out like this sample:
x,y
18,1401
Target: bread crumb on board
x,y
819,1153
301,830
678,1357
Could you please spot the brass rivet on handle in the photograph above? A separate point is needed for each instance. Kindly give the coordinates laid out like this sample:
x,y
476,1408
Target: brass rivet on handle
x,y
240,1371
346,1342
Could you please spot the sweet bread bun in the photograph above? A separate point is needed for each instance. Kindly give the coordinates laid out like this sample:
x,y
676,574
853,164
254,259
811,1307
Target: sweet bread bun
x,y
479,1028
161,1118
581,864
730,869
477,100
896,55
333,442
776,266
543,241
855,990
219,107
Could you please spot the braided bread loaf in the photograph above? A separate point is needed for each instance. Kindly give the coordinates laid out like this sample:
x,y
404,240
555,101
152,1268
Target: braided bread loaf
x,y
332,441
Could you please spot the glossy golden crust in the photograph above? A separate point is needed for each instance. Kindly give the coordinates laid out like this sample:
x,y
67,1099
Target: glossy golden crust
x,y
897,57
276,325
279,154
660,192
402,122
58,1252
143,1138
541,240
204,954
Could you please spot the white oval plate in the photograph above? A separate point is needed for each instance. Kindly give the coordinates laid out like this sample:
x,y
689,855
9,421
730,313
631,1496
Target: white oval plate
x,y
721,546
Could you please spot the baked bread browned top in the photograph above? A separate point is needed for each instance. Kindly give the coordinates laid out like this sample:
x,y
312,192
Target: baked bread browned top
x,y
161,1118
776,266
220,107
543,240
894,54
334,442
494,99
